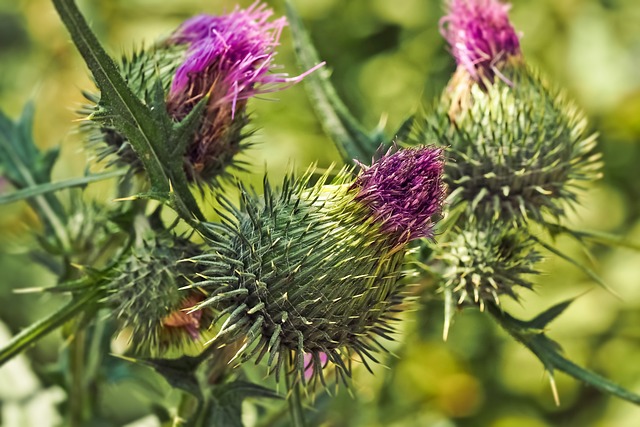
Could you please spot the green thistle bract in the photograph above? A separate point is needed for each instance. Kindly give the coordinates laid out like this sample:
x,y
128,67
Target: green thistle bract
x,y
483,262
517,150
144,295
316,271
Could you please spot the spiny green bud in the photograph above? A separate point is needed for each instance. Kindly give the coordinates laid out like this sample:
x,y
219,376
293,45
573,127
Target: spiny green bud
x,y
518,151
144,295
316,271
484,261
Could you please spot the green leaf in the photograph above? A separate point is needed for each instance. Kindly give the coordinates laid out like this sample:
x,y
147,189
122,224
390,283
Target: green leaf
x,y
179,373
129,113
547,316
548,351
225,406
29,192
594,236
33,333
26,166
582,267
352,141
147,129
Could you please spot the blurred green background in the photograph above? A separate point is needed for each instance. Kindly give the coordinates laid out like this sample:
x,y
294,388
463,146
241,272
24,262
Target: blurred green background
x,y
387,59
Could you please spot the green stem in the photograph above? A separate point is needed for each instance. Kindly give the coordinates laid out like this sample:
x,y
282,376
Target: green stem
x,y
188,411
294,400
77,390
33,333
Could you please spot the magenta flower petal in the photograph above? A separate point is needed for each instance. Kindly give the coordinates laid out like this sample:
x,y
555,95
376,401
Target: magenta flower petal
x,y
480,35
404,190
308,364
234,51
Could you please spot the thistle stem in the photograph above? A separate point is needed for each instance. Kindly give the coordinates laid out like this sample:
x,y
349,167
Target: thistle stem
x,y
33,333
294,400
77,389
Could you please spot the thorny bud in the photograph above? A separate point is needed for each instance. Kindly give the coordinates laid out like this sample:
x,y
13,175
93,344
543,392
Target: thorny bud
x,y
313,273
518,150
145,296
484,261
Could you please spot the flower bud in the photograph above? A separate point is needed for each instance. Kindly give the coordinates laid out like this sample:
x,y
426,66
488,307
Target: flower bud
x,y
145,296
486,261
518,149
315,272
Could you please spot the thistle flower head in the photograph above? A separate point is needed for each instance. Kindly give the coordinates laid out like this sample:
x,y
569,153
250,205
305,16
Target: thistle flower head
x,y
226,59
517,152
309,272
404,190
485,261
230,56
480,35
144,295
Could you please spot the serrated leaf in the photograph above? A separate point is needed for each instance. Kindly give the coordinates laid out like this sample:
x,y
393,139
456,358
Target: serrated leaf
x,y
352,141
547,316
40,189
582,267
225,407
149,136
548,351
179,373
131,116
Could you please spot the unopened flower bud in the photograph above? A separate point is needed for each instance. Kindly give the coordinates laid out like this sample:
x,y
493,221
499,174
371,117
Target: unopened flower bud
x,y
315,272
517,149
484,262
145,296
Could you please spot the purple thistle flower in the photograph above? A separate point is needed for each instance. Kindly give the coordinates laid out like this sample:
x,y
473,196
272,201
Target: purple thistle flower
x,y
480,36
234,51
229,58
404,189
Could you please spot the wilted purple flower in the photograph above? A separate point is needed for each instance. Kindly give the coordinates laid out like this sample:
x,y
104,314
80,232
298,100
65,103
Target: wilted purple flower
x,y
230,59
480,35
404,189
183,319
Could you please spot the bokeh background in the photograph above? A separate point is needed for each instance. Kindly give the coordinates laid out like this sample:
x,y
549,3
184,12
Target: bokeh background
x,y
387,59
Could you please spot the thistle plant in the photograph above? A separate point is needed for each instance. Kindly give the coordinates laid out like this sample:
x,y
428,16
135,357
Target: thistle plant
x,y
486,261
311,278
